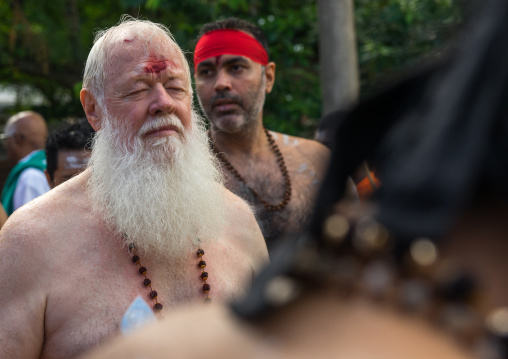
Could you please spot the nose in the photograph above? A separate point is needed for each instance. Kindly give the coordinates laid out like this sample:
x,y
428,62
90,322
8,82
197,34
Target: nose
x,y
222,81
162,102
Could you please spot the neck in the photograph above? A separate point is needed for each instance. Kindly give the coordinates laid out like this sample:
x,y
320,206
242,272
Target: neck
x,y
23,154
249,142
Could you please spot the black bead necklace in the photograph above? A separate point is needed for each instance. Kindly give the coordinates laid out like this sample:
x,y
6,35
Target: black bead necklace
x,y
282,165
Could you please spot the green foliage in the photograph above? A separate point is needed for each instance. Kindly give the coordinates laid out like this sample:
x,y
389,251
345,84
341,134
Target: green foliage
x,y
393,33
44,44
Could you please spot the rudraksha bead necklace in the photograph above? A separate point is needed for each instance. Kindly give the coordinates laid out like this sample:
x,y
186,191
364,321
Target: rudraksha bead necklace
x,y
153,295
282,165
204,275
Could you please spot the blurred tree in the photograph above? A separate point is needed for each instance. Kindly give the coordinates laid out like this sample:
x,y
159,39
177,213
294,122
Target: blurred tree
x,y
44,44
394,33
337,55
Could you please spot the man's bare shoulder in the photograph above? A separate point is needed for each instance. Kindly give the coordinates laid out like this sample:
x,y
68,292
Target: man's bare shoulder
x,y
241,224
311,150
235,202
41,217
294,141
26,239
24,290
33,243
238,212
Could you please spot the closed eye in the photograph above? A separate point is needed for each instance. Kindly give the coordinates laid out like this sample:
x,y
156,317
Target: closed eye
x,y
136,92
173,88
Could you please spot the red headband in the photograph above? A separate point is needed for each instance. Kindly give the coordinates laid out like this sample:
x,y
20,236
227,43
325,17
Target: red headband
x,y
228,41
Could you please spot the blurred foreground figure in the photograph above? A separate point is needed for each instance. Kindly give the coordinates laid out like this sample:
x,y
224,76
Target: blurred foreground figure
x,y
422,278
148,223
68,151
364,178
24,137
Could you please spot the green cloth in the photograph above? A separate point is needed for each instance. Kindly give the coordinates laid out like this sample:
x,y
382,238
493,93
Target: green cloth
x,y
37,160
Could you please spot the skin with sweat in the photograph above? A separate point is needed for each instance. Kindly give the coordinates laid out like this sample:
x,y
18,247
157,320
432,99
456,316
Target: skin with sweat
x,y
70,277
231,90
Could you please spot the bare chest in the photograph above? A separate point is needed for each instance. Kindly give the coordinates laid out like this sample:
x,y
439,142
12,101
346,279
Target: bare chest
x,y
265,182
92,288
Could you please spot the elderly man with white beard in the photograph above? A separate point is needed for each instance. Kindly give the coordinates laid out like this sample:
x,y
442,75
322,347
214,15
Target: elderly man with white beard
x,y
148,218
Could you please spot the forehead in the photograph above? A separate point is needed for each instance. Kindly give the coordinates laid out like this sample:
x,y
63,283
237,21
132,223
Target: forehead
x,y
225,59
73,159
131,57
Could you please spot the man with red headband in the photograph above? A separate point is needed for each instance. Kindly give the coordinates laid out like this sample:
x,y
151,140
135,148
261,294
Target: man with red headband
x,y
276,173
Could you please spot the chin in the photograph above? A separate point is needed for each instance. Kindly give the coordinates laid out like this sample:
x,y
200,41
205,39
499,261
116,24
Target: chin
x,y
229,123
164,149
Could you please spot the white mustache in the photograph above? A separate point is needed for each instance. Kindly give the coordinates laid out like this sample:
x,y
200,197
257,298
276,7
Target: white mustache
x,y
161,121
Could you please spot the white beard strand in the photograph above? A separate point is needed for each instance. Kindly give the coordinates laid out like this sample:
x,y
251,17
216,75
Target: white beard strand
x,y
164,195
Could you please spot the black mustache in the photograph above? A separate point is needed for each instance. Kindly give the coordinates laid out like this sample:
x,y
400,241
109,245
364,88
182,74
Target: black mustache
x,y
227,96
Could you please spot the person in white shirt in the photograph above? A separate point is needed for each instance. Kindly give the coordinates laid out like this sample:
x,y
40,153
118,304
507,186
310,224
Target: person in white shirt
x,y
24,139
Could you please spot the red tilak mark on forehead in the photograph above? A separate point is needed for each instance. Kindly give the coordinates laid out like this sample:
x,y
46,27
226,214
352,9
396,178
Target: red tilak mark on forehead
x,y
156,67
218,60
127,40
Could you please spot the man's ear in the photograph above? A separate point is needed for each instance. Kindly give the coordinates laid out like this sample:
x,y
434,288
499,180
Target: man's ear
x,y
48,179
270,76
91,108
18,139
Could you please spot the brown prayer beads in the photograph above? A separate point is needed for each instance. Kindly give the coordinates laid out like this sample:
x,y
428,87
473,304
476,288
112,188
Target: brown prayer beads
x,y
204,275
157,307
282,165
146,282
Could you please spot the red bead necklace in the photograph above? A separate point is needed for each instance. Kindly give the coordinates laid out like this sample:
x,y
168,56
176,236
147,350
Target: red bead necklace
x,y
153,295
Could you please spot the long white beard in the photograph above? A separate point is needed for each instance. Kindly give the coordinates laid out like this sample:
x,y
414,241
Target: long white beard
x,y
163,194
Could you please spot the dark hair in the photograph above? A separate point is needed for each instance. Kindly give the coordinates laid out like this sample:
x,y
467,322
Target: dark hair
x,y
71,135
236,24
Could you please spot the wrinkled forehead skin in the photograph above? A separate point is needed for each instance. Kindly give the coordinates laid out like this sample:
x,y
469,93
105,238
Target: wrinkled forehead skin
x,y
136,50
129,46
105,52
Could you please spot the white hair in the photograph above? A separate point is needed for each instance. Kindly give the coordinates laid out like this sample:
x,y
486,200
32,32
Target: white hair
x,y
105,46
